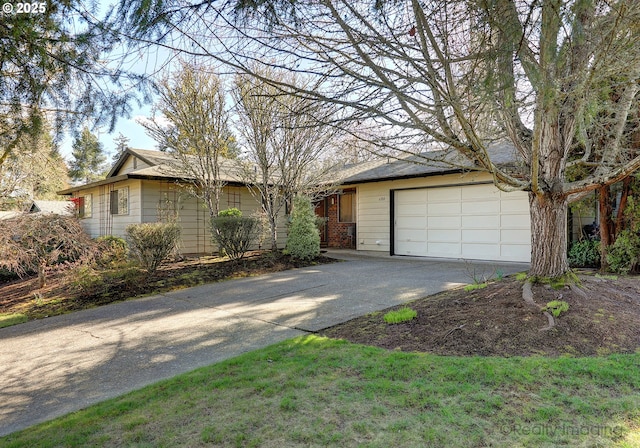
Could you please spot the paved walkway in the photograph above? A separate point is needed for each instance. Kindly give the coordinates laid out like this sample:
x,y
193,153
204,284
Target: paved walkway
x,y
65,363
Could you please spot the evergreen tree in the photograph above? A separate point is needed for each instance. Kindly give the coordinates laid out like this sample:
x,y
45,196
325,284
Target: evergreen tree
x,y
88,158
303,241
122,144
36,170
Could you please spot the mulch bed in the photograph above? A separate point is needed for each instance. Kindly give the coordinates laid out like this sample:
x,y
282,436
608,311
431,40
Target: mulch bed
x,y
60,295
603,318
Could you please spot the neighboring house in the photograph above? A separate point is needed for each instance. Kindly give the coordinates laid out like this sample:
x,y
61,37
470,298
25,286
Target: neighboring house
x,y
42,207
407,207
143,186
9,214
51,207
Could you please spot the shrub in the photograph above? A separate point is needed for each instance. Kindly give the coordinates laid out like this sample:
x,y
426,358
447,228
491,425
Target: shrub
x,y
303,241
230,212
233,233
34,243
113,250
624,254
585,253
151,243
87,281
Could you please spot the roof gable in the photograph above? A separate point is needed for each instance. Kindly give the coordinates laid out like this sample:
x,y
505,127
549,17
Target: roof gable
x,y
149,158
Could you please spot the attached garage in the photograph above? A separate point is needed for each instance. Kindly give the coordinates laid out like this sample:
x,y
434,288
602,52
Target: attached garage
x,y
465,221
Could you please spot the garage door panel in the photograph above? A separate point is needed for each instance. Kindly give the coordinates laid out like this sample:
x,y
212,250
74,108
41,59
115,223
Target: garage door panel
x,y
480,251
480,192
412,235
414,196
519,203
411,222
475,222
515,235
444,249
481,222
443,195
411,248
446,222
479,207
443,209
411,210
481,236
515,221
449,235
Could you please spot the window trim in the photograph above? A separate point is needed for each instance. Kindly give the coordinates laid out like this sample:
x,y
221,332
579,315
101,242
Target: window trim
x,y
82,206
118,201
351,193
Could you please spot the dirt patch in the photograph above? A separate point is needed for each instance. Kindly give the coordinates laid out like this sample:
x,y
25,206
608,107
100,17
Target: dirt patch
x,y
66,291
603,318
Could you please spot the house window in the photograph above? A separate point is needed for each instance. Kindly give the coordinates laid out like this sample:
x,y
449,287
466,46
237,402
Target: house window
x,y
85,206
347,207
233,197
120,201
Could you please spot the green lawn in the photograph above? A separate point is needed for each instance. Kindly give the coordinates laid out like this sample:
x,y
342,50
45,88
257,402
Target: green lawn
x,y
313,391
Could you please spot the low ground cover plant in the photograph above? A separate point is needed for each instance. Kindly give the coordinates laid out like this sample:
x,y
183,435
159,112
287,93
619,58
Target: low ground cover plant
x,y
398,316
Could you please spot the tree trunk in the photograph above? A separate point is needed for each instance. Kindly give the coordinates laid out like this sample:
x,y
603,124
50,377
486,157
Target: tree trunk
x,y
274,233
626,188
42,279
548,235
606,224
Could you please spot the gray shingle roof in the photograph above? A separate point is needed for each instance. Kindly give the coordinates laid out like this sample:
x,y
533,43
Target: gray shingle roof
x,y
421,165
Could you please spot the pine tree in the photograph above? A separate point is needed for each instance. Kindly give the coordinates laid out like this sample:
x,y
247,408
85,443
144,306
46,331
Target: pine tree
x,y
88,158
122,144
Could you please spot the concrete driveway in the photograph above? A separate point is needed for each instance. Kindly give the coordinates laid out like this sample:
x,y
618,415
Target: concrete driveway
x,y
65,363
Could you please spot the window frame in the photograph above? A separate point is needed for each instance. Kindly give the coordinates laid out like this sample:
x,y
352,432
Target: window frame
x,y
85,207
121,201
352,195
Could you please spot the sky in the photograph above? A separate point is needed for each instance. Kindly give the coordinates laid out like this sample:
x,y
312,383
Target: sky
x,y
143,61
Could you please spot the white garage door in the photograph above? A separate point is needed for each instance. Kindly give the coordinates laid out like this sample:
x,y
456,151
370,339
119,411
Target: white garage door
x,y
475,222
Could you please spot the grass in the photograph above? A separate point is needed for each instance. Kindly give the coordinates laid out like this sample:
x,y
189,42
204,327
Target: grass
x,y
8,319
475,286
313,391
398,316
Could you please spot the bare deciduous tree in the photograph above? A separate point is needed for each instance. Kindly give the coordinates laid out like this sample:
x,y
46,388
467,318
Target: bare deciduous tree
x,y
193,126
558,79
285,142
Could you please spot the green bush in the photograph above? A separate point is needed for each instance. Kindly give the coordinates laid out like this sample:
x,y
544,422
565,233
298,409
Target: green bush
x,y
624,254
151,243
303,241
87,281
233,233
112,250
585,254
230,212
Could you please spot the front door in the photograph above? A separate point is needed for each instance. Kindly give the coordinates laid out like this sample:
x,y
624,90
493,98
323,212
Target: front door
x,y
322,212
